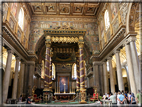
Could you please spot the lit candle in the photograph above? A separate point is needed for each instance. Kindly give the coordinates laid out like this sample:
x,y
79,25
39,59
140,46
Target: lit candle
x,y
55,87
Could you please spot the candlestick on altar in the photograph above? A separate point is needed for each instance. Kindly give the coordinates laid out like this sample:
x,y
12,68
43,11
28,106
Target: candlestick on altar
x,y
55,87
59,88
70,89
64,88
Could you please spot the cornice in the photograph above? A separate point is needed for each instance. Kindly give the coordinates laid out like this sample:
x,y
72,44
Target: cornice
x,y
12,42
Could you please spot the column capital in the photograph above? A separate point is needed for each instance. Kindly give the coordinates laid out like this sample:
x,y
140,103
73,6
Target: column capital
x,y
48,44
109,58
97,63
17,58
10,51
117,51
104,62
132,39
80,44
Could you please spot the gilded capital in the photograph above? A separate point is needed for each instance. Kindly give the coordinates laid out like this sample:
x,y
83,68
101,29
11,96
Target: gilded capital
x,y
47,44
80,38
80,44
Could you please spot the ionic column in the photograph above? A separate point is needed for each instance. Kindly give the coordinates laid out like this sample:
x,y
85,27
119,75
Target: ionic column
x,y
78,73
14,90
106,86
101,79
47,67
21,79
119,72
128,79
135,61
96,77
7,76
130,69
50,73
30,82
81,69
111,75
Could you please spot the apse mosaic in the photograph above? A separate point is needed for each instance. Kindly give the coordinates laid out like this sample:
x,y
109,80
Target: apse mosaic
x,y
91,31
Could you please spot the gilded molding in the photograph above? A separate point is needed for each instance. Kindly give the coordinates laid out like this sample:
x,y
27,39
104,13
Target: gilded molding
x,y
82,76
81,69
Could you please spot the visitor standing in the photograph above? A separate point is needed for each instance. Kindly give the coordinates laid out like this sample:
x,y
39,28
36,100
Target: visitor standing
x,y
28,100
113,98
20,98
121,98
139,97
133,101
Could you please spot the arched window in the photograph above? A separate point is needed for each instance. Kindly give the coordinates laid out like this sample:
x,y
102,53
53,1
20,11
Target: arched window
x,y
107,22
21,18
74,71
53,71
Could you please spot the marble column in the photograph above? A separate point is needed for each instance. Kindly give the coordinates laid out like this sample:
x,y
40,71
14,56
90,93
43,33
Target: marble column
x,y
31,73
111,76
81,69
78,73
128,79
15,82
130,68
7,76
135,61
106,86
119,71
50,74
101,79
26,79
47,65
96,77
21,79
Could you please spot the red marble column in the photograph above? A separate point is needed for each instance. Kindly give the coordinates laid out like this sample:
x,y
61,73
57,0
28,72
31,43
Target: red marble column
x,y
81,67
47,63
78,72
50,74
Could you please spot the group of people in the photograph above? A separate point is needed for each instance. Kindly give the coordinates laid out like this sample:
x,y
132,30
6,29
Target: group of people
x,y
124,98
28,101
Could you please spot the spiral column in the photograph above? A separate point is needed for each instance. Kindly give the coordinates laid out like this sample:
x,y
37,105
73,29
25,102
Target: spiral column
x,y
81,69
78,72
50,72
47,64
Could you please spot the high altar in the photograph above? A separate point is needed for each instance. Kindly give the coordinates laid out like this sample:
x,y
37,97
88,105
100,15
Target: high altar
x,y
64,49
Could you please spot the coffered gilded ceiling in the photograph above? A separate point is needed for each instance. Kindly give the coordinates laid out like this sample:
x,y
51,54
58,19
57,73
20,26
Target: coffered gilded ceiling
x,y
71,9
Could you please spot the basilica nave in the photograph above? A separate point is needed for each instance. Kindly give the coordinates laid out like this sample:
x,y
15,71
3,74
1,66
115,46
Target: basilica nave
x,y
63,50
